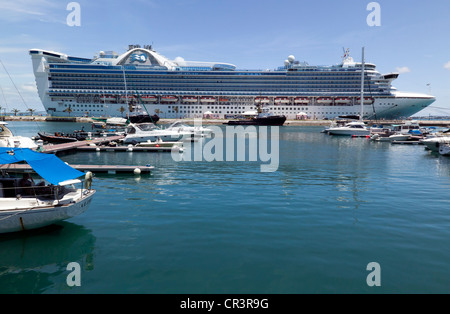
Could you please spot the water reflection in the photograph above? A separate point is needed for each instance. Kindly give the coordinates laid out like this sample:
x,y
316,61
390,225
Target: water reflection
x,y
36,260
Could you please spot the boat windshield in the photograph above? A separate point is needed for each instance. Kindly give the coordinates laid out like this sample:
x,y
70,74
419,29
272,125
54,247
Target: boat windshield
x,y
177,124
146,126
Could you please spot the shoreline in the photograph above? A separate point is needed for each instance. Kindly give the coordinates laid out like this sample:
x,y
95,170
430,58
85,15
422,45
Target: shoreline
x,y
442,123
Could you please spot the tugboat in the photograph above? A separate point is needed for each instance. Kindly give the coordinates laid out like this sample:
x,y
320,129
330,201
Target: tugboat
x,y
261,117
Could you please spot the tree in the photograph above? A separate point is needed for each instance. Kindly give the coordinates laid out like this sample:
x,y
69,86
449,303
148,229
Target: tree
x,y
68,109
122,110
15,111
31,110
176,110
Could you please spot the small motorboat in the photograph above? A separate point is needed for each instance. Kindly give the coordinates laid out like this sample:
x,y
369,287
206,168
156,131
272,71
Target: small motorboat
x,y
59,138
25,205
178,126
143,132
7,139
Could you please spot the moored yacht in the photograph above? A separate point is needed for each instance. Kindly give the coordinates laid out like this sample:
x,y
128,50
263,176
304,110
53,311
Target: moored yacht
x,y
355,128
144,132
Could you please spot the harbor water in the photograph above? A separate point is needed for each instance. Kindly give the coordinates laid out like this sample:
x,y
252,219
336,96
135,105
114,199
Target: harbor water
x,y
334,205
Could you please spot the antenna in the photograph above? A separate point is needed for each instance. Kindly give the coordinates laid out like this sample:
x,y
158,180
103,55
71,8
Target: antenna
x,y
362,86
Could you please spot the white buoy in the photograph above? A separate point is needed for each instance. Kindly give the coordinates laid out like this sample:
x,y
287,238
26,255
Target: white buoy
x,y
97,149
130,148
137,171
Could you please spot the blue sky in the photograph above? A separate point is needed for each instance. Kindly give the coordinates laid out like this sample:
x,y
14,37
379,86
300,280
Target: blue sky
x,y
411,39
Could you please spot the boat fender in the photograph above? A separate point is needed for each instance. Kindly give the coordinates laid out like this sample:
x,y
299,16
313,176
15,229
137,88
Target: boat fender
x,y
88,180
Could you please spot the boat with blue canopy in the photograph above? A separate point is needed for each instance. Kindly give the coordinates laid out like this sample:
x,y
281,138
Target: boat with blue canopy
x,y
26,205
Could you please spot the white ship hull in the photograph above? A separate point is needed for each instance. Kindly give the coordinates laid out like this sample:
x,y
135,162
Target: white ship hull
x,y
383,108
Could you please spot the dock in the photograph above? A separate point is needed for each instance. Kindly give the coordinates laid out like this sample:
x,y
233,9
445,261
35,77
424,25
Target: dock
x,y
127,149
55,148
110,169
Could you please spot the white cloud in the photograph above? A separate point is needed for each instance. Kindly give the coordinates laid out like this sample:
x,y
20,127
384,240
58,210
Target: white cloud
x,y
403,70
25,10
30,87
447,66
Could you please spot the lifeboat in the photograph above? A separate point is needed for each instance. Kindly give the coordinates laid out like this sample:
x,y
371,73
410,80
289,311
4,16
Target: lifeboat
x,y
262,100
342,100
209,99
149,98
301,100
324,100
367,100
281,100
189,99
168,99
108,98
129,97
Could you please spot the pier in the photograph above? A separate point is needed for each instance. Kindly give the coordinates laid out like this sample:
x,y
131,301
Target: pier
x,y
55,148
110,169
127,149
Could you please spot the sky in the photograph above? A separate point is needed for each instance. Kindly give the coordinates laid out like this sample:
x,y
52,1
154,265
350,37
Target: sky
x,y
411,37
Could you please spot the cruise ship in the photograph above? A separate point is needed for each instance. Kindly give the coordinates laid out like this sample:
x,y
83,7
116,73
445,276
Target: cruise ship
x,y
110,85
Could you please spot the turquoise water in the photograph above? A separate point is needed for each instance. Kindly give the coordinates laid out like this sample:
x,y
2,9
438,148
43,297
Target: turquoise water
x,y
334,205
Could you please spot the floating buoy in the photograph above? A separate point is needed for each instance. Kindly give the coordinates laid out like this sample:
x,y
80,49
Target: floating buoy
x,y
137,171
130,148
97,149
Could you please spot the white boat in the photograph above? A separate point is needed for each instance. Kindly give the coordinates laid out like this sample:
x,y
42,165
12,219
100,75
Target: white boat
x,y
444,150
355,128
7,139
144,132
408,127
115,121
25,206
178,126
434,143
390,138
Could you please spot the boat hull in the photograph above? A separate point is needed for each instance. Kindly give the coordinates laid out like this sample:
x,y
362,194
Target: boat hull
x,y
266,121
349,133
25,218
142,118
57,139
